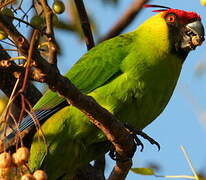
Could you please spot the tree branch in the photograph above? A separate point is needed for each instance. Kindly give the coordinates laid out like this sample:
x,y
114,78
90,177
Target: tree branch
x,y
120,170
85,23
50,33
126,19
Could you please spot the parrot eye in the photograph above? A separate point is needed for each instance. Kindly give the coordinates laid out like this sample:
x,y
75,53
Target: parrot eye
x,y
171,18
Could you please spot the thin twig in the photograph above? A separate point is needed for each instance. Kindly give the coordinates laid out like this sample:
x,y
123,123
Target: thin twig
x,y
189,162
8,49
85,23
178,176
48,14
29,60
26,75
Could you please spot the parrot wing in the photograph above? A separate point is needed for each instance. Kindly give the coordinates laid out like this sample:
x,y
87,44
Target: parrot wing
x,y
100,65
97,67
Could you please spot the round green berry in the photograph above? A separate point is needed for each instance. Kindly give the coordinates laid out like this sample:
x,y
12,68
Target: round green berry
x,y
58,7
37,21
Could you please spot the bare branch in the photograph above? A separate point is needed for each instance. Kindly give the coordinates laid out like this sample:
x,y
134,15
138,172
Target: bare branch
x,y
126,19
50,33
85,23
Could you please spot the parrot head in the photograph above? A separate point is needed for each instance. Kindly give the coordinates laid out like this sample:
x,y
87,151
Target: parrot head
x,y
185,29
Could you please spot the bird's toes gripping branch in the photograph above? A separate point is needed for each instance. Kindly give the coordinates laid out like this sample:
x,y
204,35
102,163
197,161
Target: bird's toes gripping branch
x,y
115,156
138,142
145,136
135,134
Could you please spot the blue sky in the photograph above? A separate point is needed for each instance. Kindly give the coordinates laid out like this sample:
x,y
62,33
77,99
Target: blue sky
x,y
180,123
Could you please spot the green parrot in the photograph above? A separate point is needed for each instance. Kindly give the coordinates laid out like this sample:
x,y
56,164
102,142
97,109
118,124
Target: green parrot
x,y
132,75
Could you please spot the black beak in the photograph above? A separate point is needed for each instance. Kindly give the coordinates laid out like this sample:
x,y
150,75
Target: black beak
x,y
195,34
197,28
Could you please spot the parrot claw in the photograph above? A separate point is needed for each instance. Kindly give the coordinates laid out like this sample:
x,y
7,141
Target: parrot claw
x,y
112,154
151,140
135,132
138,142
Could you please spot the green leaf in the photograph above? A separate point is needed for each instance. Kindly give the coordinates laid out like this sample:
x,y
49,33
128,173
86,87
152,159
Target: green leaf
x,y
143,171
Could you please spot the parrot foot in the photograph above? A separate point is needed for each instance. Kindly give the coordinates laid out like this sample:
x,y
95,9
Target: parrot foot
x,y
114,156
151,140
135,132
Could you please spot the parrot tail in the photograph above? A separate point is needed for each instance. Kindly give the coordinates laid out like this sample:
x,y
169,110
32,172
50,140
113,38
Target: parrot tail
x,y
40,115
